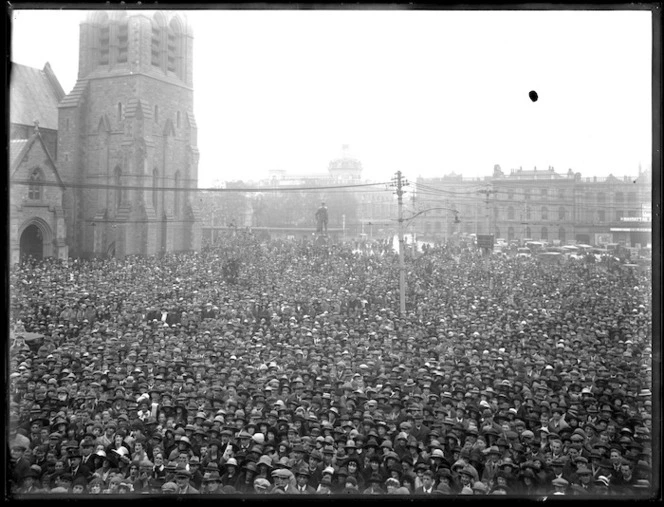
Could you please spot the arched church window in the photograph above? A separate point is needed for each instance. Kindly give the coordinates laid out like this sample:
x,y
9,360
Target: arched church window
x,y
175,47
158,24
122,40
103,39
35,185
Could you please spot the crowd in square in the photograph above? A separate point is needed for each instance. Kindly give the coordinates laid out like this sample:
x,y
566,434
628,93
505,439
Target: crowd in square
x,y
294,373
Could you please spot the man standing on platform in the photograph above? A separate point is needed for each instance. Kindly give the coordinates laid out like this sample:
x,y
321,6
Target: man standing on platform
x,y
321,218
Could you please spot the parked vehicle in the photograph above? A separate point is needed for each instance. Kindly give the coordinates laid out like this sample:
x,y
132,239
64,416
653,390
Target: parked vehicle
x,y
523,253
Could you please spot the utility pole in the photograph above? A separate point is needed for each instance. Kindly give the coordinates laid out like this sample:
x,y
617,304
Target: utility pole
x,y
413,248
487,193
525,218
399,183
487,253
477,205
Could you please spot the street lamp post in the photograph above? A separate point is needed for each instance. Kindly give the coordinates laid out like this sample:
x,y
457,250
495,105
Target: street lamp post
x,y
343,226
402,267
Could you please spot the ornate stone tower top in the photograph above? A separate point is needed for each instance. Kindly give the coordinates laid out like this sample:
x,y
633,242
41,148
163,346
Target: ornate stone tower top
x,y
346,167
157,43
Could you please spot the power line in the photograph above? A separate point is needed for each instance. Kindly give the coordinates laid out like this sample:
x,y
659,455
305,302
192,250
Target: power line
x,y
422,188
184,189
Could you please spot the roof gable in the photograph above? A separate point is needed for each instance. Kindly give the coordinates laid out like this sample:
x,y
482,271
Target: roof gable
x,y
23,147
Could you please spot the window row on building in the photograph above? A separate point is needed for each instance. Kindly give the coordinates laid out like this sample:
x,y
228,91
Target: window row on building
x,y
565,194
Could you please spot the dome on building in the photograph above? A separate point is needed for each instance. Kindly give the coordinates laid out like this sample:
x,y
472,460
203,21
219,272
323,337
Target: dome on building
x,y
346,167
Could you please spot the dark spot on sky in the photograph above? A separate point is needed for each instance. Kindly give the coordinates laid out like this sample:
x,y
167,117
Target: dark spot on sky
x,y
533,96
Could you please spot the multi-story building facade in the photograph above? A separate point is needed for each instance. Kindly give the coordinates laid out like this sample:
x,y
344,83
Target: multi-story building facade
x,y
540,205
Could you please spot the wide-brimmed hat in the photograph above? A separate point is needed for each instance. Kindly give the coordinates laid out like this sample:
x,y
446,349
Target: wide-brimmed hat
x,y
265,460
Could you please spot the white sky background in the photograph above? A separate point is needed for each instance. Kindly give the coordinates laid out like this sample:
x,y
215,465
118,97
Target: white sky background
x,y
426,93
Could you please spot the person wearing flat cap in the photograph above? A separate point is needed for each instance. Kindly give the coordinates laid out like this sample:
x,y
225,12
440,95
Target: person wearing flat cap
x,y
262,486
583,484
20,463
182,478
560,486
169,488
282,482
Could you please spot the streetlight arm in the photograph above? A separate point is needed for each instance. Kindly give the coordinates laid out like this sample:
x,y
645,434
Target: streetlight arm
x,y
430,209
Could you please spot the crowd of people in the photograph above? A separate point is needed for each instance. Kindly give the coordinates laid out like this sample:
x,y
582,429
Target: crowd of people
x,y
295,373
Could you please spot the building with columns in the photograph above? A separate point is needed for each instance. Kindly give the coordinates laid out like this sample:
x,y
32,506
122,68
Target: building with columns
x,y
541,205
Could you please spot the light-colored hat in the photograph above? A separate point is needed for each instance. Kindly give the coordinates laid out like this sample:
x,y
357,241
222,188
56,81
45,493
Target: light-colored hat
x,y
480,486
261,483
169,487
281,473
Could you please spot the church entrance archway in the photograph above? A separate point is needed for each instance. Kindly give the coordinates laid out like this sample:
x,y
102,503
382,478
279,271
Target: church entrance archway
x,y
32,243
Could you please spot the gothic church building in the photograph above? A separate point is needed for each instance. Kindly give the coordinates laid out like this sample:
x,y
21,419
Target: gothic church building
x,y
126,149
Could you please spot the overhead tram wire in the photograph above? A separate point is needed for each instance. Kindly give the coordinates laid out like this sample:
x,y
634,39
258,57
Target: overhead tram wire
x,y
436,188
426,188
184,189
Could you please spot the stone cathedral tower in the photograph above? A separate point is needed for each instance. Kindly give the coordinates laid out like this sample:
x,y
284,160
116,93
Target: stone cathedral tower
x,y
127,148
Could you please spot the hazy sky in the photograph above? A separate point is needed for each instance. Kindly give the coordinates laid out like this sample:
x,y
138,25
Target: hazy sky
x,y
424,92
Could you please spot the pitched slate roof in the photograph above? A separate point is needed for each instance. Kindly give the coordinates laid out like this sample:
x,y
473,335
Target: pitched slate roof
x,y
15,149
34,95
